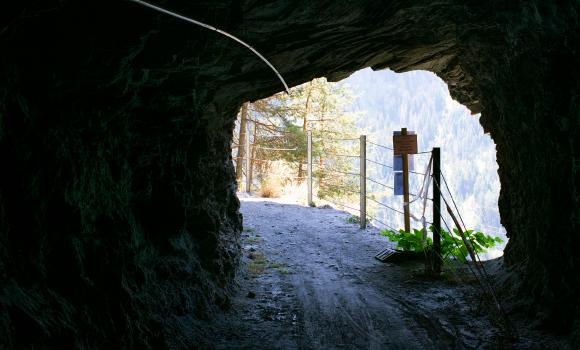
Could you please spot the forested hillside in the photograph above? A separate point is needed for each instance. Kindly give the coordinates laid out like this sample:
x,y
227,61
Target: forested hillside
x,y
420,101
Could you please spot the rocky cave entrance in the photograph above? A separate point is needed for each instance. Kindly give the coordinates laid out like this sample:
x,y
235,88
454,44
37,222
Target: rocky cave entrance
x,y
312,265
118,209
373,103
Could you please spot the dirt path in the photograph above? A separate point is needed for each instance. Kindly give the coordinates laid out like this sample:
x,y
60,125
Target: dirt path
x,y
310,281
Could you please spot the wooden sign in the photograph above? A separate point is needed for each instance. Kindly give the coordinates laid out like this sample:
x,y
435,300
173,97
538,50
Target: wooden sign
x,y
405,144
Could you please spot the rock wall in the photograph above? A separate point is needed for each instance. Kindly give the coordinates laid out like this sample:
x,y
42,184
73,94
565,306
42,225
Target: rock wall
x,y
118,215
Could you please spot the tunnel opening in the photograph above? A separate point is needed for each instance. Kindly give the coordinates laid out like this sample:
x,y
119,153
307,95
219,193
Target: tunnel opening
x,y
119,222
336,117
300,255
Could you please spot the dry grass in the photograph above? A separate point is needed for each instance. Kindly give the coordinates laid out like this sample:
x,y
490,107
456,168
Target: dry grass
x,y
258,263
271,189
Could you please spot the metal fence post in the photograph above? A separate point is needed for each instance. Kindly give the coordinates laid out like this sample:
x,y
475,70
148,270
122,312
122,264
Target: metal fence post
x,y
406,208
248,160
437,209
363,181
310,202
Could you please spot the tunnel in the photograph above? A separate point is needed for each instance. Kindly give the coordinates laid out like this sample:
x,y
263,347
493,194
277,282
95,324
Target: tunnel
x,y
119,221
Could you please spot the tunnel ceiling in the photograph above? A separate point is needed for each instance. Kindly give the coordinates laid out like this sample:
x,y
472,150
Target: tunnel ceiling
x,y
115,126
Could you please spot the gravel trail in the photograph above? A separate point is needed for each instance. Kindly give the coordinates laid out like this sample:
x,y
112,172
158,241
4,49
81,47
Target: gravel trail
x,y
310,281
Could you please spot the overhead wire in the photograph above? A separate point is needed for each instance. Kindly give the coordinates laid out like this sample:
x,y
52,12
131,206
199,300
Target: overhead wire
x,y
207,26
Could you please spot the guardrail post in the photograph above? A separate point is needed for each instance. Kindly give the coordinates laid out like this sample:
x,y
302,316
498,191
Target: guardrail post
x,y
436,153
363,181
310,202
248,159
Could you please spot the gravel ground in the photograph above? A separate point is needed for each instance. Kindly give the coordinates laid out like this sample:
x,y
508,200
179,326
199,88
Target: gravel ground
x,y
310,281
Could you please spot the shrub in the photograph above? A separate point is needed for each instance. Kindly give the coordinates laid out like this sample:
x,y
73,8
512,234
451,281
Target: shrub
x,y
353,219
418,241
270,188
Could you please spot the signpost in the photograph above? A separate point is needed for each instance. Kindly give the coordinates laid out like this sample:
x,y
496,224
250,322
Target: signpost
x,y
363,181
404,143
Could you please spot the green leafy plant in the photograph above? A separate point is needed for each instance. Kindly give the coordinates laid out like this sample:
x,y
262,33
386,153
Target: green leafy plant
x,y
353,219
418,241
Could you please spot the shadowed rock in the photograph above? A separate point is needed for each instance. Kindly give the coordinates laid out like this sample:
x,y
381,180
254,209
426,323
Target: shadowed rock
x,y
118,217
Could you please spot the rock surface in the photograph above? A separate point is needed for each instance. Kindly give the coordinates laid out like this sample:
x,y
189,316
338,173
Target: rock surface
x,y
119,222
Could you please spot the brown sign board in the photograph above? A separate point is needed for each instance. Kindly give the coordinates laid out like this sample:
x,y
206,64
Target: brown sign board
x,y
405,144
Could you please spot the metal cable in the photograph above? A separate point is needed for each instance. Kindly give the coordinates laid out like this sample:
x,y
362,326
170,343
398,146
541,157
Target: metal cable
x,y
333,139
275,135
286,177
340,172
384,205
483,271
272,160
275,149
337,204
334,133
392,188
456,242
263,160
378,183
414,172
378,163
487,286
207,26
453,199
380,222
382,146
341,155
343,188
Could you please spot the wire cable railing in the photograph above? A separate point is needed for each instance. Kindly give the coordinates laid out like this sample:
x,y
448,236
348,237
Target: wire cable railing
x,y
341,181
341,188
372,218
379,145
336,171
380,183
379,163
341,139
275,149
385,205
341,204
343,175
342,155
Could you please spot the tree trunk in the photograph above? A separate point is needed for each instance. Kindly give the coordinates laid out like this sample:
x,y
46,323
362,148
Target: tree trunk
x,y
242,141
252,155
305,126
